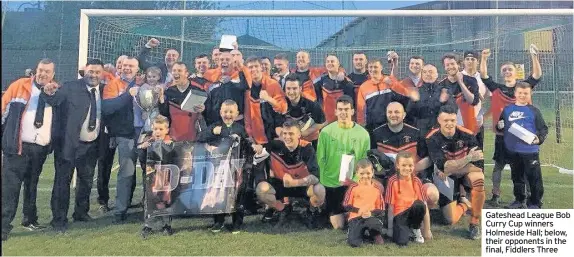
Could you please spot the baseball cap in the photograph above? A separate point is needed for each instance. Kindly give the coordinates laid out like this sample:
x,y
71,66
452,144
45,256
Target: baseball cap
x,y
470,53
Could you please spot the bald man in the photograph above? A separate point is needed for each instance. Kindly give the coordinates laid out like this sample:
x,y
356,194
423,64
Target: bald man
x,y
432,96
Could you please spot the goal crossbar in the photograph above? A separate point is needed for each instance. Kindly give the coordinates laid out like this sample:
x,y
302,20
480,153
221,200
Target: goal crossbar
x,y
85,14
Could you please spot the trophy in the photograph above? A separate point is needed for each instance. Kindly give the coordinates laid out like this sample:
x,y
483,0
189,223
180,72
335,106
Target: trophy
x,y
147,99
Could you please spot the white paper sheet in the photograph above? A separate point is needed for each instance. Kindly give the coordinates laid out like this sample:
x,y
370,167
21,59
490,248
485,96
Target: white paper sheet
x,y
347,167
522,133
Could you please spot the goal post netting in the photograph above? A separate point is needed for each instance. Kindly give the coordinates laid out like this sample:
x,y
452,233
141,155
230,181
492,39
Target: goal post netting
x,y
430,35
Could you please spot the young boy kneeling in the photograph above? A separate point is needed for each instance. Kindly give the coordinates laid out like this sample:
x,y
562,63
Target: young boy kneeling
x,y
407,203
160,131
365,204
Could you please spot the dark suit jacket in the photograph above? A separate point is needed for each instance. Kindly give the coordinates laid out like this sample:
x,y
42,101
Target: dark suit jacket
x,y
73,103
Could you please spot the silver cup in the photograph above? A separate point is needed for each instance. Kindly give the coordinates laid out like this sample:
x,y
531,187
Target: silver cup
x,y
148,99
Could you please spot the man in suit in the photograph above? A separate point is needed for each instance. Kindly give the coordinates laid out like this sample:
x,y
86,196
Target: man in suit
x,y
80,125
28,117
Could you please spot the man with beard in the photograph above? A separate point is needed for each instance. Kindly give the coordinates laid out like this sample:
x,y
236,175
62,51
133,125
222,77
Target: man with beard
x,y
215,53
307,113
503,95
266,65
359,74
464,89
343,137
184,125
376,93
118,112
470,63
171,56
265,103
414,74
454,153
230,81
432,96
281,63
27,115
331,86
80,107
396,136
307,75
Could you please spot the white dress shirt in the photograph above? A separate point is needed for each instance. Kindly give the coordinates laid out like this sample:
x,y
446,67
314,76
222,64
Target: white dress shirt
x,y
85,134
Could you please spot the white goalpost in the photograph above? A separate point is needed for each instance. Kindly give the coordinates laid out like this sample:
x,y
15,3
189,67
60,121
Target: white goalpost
x,y
429,33
85,15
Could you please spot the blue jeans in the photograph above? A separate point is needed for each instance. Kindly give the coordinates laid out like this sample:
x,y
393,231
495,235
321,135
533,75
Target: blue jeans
x,y
127,161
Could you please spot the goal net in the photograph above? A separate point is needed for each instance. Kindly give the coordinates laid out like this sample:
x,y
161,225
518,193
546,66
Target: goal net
x,y
430,36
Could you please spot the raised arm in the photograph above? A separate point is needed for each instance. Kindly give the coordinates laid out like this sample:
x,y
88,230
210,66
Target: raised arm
x,y
536,67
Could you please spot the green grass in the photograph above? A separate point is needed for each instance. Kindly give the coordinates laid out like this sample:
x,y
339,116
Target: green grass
x,y
192,237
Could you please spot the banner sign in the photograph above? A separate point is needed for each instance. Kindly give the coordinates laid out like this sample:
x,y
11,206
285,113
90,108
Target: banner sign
x,y
192,178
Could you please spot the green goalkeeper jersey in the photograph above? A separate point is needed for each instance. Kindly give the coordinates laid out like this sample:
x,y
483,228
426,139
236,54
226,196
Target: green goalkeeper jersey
x,y
334,142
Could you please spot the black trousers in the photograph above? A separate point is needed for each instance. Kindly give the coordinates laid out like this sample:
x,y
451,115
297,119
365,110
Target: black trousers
x,y
85,164
107,152
16,169
407,220
358,226
526,166
480,138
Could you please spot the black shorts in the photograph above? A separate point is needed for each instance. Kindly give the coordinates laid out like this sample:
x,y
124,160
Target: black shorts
x,y
499,150
282,191
334,197
444,201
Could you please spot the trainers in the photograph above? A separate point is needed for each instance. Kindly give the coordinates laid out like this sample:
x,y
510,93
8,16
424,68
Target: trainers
x,y
417,236
146,231
494,201
84,218
104,208
237,222
167,230
312,217
120,218
474,232
516,205
33,226
268,215
217,227
533,206
283,216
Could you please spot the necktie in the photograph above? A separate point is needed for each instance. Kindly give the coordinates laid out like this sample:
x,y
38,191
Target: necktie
x,y
39,119
93,110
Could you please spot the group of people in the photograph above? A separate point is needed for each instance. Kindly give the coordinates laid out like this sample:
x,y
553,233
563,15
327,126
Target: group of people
x,y
299,127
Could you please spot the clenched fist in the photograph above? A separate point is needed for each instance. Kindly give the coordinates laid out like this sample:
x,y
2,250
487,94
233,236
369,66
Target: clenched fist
x,y
152,43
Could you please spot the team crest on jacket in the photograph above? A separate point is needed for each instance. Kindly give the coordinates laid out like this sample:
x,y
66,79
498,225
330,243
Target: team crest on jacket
x,y
407,139
459,143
